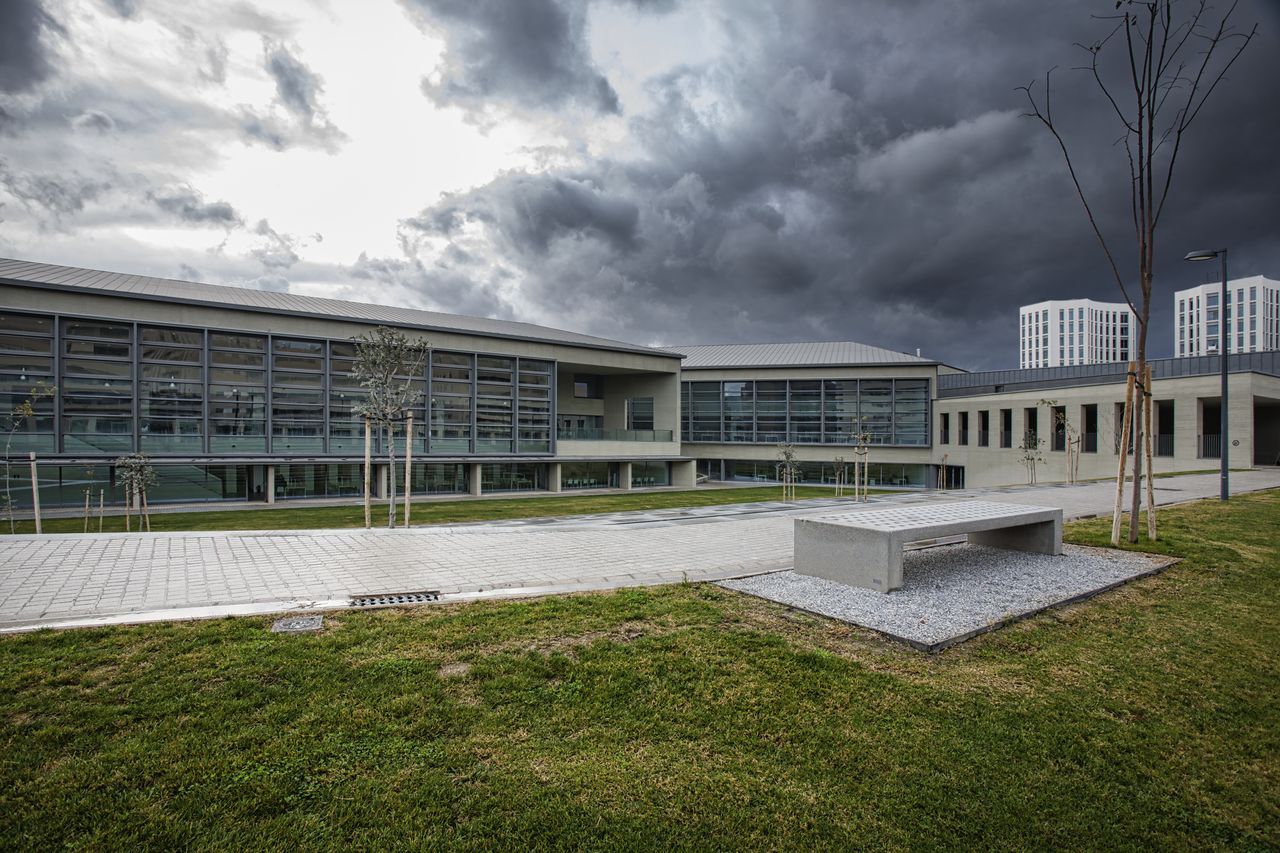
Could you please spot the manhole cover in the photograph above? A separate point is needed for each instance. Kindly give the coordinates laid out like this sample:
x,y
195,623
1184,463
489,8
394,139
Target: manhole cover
x,y
393,599
297,624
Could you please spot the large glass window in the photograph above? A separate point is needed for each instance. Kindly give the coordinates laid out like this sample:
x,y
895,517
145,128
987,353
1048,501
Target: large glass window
x,y
640,413
806,411
771,411
237,393
534,395
833,411
171,390
97,388
840,411
512,477
434,478
451,411
297,396
587,475
877,410
495,404
310,481
26,367
705,405
644,474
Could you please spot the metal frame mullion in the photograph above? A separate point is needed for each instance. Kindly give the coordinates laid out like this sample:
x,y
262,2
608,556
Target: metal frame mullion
x,y
57,382
475,402
428,406
205,443
324,390
136,361
269,371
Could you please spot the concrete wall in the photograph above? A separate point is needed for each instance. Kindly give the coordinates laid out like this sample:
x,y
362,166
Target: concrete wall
x,y
993,465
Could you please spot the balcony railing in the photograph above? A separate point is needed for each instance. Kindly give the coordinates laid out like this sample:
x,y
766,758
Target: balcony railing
x,y
1164,444
1210,447
597,434
1090,442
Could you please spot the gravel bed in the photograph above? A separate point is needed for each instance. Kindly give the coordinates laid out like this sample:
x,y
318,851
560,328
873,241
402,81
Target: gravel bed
x,y
952,592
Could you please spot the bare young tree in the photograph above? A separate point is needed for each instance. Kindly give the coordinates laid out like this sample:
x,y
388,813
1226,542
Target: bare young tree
x,y
1160,88
389,366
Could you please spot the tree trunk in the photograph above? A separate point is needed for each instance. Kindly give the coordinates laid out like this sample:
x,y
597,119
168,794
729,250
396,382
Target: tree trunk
x,y
1124,456
86,509
391,475
408,465
102,507
128,499
1135,504
146,510
1151,495
368,464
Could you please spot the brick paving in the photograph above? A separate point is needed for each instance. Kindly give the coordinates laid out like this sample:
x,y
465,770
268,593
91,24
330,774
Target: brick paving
x,y
70,578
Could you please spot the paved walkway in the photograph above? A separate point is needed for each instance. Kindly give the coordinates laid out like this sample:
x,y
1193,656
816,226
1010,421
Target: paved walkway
x,y
101,578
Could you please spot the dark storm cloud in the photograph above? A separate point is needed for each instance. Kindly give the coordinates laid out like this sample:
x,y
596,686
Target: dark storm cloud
x,y
25,30
298,91
297,86
439,286
51,196
531,54
532,210
862,174
188,205
123,8
277,252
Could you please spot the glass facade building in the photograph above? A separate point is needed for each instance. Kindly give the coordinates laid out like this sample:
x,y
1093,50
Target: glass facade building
x,y
890,412
175,391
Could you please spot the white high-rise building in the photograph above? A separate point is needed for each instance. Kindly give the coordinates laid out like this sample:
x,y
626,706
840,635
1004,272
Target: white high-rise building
x,y
1062,332
1253,317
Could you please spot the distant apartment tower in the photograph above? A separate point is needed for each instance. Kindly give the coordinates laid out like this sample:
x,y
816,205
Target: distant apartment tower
x,y
1064,332
1253,317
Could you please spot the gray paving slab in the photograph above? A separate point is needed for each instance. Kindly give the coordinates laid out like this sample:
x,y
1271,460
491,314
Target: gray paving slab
x,y
54,579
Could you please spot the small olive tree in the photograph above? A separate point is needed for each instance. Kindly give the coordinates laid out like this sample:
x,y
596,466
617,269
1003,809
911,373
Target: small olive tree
x,y
20,414
389,366
136,474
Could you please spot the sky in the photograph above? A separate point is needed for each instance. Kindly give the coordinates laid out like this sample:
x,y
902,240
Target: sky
x,y
656,171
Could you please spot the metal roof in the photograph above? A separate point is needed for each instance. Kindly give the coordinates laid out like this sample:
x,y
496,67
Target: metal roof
x,y
75,279
812,354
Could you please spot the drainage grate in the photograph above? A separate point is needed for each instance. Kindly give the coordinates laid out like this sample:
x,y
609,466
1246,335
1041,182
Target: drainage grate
x,y
395,598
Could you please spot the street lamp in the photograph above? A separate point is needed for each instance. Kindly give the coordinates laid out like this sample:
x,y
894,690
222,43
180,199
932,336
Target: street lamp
x,y
1223,337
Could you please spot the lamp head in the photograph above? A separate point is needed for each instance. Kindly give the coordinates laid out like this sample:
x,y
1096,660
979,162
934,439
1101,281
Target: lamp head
x,y
1203,255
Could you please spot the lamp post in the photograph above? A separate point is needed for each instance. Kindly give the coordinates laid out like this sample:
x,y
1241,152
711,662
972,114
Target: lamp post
x,y
1223,338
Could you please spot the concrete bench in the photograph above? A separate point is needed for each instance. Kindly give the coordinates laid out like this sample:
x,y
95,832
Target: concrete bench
x,y
865,548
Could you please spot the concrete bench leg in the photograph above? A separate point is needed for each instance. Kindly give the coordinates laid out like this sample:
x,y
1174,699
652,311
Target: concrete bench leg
x,y
1043,537
868,559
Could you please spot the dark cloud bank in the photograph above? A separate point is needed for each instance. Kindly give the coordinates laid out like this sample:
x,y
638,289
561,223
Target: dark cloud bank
x,y
864,173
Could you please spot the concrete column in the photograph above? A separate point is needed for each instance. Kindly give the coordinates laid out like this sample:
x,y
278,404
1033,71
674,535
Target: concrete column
x,y
270,487
474,479
624,475
684,474
553,476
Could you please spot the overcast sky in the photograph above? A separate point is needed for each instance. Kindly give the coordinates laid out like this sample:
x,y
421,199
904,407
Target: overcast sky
x,y
658,171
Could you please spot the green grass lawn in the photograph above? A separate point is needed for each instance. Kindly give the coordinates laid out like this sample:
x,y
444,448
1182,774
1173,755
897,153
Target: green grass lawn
x,y
682,716
286,517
